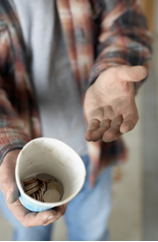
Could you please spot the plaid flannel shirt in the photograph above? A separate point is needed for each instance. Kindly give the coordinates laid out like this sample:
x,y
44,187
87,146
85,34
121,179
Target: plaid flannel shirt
x,y
99,34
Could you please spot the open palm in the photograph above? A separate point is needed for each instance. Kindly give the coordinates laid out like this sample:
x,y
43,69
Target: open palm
x,y
109,104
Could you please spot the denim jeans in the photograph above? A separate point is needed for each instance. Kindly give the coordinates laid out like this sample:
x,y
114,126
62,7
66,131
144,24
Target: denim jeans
x,y
86,216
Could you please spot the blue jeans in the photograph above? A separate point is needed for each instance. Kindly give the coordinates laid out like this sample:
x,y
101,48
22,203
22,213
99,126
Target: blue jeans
x,y
86,215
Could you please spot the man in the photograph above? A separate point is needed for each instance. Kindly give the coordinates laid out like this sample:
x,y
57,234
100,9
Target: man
x,y
52,48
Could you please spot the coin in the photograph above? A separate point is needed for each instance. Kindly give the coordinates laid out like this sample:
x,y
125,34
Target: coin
x,y
44,187
32,190
34,196
41,194
30,186
38,188
51,196
45,177
37,195
57,186
29,180
40,183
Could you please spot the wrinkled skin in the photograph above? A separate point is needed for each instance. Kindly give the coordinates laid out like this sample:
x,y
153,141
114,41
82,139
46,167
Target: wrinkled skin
x,y
11,194
110,110
109,104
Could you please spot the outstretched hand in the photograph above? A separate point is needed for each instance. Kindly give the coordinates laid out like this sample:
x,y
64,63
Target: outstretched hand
x,y
110,106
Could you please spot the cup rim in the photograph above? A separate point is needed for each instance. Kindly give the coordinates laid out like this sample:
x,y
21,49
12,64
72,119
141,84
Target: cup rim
x,y
44,204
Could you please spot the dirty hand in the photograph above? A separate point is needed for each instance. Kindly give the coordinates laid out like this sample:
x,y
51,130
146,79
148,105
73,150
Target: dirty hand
x,y
109,104
11,194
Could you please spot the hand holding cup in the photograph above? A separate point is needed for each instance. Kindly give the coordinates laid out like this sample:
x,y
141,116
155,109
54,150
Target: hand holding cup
x,y
11,194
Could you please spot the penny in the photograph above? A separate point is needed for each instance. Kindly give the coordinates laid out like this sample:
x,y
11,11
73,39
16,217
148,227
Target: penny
x,y
53,179
44,187
42,194
37,195
32,190
51,196
29,180
30,186
43,191
34,196
45,177
57,186
40,183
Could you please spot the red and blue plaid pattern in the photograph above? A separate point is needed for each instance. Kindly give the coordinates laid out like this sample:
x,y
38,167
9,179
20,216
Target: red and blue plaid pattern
x,y
99,34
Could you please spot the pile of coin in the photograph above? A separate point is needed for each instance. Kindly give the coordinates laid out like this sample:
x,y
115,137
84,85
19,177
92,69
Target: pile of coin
x,y
44,188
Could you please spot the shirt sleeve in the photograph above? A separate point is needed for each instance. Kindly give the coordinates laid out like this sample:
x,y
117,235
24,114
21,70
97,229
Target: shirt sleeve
x,y
12,128
12,134
123,39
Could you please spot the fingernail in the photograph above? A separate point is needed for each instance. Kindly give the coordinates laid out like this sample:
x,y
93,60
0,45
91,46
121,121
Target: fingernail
x,y
48,220
51,216
9,197
12,196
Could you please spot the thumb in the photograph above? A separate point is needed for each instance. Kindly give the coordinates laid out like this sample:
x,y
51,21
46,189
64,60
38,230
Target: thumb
x,y
7,177
132,73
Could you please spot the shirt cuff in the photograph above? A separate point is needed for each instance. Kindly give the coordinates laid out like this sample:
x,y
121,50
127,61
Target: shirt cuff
x,y
11,139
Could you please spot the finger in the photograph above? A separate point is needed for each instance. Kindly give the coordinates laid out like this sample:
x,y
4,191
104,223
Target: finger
x,y
60,211
117,121
113,132
93,125
31,219
42,218
97,135
132,73
130,117
129,123
7,177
